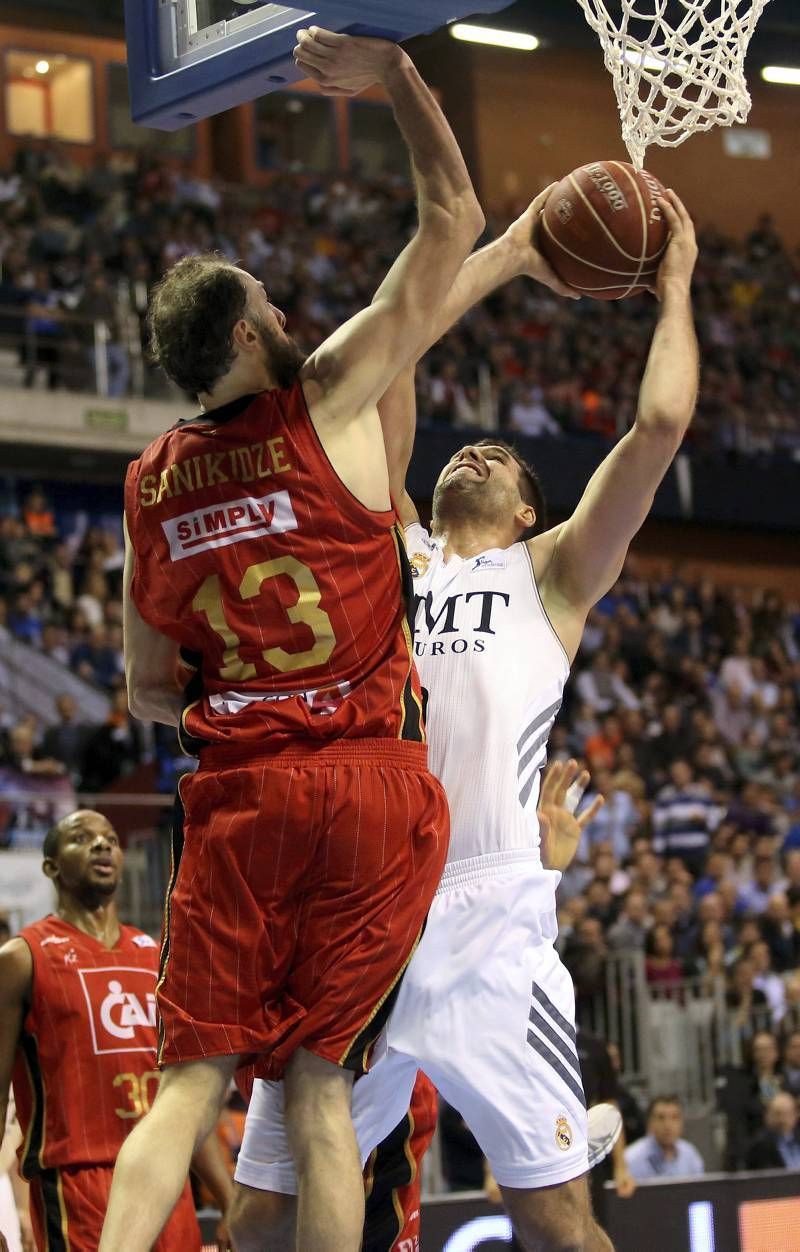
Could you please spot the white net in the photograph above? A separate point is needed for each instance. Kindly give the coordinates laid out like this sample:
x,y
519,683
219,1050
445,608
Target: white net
x,y
677,65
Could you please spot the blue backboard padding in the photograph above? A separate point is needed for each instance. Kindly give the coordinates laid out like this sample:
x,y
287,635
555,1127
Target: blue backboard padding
x,y
178,97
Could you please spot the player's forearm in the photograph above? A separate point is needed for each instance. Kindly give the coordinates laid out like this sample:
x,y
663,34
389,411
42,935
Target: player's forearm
x,y
445,188
481,273
669,389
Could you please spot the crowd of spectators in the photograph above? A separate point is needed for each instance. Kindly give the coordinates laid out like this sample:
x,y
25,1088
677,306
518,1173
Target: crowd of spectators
x,y
685,700
78,246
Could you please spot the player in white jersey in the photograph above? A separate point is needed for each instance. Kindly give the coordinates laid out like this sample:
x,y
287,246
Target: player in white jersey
x,y
486,1009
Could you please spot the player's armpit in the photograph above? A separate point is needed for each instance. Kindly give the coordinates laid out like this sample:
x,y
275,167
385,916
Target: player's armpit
x,y
16,975
151,658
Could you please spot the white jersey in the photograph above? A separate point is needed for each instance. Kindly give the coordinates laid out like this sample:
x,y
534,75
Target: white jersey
x,y
494,670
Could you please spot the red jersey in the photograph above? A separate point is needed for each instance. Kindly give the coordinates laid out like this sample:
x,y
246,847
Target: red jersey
x,y
85,1069
285,593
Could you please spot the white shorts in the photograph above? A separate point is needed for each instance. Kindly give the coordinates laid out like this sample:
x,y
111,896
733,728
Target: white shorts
x,y
487,1011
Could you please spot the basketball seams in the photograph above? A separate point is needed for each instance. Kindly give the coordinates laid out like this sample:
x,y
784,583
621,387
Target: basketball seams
x,y
604,269
643,212
607,215
628,256
659,252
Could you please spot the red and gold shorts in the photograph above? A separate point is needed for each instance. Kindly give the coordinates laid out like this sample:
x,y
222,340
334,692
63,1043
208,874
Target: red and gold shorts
x,y
68,1207
392,1177
300,886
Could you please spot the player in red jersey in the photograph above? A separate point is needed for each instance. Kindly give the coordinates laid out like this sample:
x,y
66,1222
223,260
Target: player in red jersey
x,y
263,548
78,1035
392,1176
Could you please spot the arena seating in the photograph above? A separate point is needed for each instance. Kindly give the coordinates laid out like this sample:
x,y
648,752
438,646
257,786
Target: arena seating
x,y
83,248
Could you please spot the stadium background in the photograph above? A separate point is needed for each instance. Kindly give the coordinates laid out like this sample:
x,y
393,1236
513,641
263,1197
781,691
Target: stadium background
x,y
696,654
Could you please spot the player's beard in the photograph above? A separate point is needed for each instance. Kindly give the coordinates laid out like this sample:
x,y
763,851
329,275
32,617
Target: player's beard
x,y
462,497
285,358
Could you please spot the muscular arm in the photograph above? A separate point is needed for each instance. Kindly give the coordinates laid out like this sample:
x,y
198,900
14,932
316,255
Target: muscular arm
x,y
587,556
353,368
16,974
150,659
510,256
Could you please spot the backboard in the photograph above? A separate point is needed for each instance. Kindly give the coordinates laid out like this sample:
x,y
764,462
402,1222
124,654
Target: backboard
x,y
189,59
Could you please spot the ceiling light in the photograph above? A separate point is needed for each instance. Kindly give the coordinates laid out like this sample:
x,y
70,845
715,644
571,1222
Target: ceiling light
x,y
496,38
788,74
42,67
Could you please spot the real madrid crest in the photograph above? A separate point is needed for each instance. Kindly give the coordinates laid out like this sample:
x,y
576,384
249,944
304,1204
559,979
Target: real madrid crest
x,y
419,563
563,1134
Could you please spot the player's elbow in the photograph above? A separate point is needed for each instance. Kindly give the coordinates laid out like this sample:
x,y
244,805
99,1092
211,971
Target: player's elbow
x,y
666,423
460,220
136,701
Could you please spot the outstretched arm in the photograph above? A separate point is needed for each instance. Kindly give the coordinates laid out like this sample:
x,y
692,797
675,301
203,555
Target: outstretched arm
x,y
514,253
588,553
352,369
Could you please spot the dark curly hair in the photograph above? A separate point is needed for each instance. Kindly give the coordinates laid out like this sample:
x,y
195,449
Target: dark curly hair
x,y
192,313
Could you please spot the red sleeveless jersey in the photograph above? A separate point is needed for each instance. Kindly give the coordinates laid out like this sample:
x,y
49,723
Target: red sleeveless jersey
x,y
85,1068
285,593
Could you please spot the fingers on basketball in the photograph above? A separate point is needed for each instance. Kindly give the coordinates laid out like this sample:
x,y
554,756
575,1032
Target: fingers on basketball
x,y
604,231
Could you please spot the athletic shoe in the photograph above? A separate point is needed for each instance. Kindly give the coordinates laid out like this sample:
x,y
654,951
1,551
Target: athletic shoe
x,y
605,1124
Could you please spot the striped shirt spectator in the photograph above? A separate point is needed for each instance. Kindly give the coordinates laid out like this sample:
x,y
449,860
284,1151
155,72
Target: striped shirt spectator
x,y
685,816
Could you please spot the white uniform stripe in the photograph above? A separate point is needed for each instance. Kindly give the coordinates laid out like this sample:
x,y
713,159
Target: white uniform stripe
x,y
537,722
557,1016
544,1028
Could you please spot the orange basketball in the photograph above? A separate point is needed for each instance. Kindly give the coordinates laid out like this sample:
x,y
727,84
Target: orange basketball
x,y
603,231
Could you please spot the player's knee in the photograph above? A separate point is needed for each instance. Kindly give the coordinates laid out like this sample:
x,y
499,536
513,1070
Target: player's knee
x,y
259,1219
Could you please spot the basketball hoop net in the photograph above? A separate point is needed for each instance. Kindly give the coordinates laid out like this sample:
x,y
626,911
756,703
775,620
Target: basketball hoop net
x,y
674,77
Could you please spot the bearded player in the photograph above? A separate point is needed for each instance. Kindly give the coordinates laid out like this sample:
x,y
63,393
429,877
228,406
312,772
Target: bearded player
x,y
486,1009
263,547
78,1034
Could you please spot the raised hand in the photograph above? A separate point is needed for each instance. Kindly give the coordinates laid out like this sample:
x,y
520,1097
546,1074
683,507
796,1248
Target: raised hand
x,y
344,65
679,259
523,234
560,829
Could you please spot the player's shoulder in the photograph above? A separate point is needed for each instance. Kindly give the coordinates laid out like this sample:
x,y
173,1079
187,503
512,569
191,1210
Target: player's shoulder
x,y
16,968
422,550
136,938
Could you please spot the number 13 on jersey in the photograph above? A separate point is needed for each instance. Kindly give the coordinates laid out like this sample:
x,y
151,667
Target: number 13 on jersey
x,y
307,611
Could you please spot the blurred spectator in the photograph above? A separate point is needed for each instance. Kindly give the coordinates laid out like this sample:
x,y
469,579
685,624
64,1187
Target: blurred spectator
x,y
777,1146
630,930
66,740
663,1153
38,516
113,749
755,895
767,980
661,964
791,1063
601,688
684,817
